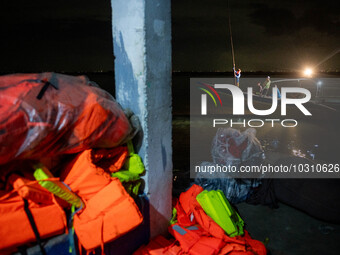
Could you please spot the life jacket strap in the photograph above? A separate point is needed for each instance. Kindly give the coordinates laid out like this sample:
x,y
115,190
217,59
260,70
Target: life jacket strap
x,y
45,87
34,226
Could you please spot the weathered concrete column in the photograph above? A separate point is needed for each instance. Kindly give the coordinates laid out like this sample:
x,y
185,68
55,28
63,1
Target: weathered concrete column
x,y
142,47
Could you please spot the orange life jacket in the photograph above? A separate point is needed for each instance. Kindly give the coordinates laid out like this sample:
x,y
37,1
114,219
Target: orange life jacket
x,y
65,113
194,240
112,159
195,213
159,246
30,190
84,177
108,214
88,173
189,210
16,228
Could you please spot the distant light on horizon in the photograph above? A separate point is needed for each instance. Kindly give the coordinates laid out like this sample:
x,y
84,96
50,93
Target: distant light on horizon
x,y
308,72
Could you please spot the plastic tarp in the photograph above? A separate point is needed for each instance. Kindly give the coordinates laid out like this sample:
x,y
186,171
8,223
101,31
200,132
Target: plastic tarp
x,y
231,147
49,114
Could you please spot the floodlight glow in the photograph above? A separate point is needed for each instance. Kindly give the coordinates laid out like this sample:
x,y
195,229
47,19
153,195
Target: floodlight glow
x,y
308,72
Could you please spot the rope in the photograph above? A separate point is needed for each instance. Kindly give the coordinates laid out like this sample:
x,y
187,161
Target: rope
x,y
231,40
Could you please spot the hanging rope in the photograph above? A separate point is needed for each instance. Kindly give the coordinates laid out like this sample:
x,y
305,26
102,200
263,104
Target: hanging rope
x,y
231,40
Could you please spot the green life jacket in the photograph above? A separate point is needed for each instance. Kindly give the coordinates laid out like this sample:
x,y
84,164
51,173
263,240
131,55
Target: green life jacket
x,y
133,168
216,205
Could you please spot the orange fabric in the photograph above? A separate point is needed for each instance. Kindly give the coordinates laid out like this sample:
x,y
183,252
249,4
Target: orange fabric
x,y
253,245
186,198
196,241
207,244
107,215
84,177
110,159
75,117
28,190
189,210
15,227
92,113
90,171
191,206
182,217
13,132
159,246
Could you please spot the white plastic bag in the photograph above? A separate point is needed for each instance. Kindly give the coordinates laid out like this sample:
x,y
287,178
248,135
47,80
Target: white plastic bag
x,y
231,147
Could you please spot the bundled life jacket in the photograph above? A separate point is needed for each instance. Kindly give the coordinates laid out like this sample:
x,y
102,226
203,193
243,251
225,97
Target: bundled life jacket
x,y
108,214
159,246
48,114
216,205
89,171
23,221
195,213
83,176
190,213
109,211
195,240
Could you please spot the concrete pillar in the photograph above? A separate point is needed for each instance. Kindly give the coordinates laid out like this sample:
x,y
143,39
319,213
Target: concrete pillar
x,y
142,49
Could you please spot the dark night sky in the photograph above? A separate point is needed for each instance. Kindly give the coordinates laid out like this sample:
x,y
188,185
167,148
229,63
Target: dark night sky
x,y
54,35
268,35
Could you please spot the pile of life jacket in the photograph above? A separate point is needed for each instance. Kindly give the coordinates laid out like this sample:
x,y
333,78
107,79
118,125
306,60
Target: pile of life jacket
x,y
67,125
109,210
196,233
48,114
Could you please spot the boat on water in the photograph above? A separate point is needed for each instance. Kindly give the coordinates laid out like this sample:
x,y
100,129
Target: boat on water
x,y
269,100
